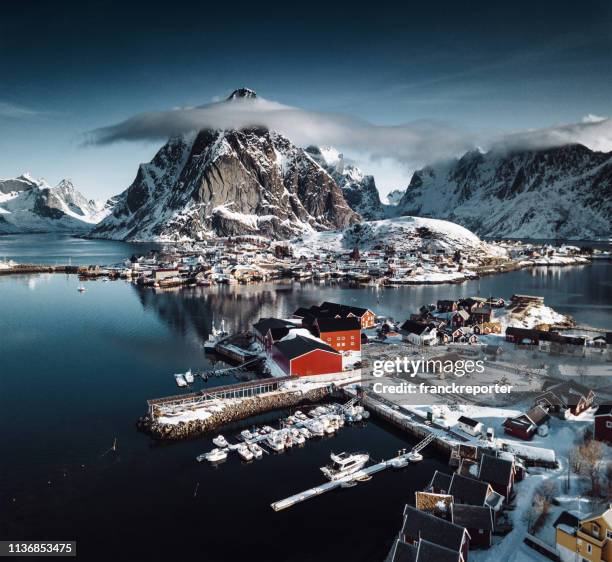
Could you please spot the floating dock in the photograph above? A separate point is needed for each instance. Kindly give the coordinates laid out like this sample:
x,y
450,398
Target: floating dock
x,y
396,462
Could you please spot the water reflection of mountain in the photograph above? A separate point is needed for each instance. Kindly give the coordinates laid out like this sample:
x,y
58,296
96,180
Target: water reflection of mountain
x,y
193,310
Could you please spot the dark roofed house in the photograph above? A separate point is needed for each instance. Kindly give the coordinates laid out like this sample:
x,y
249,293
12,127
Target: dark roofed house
x,y
478,520
428,551
423,551
270,330
366,317
470,426
421,525
468,490
403,552
440,483
446,306
526,425
570,395
419,333
499,473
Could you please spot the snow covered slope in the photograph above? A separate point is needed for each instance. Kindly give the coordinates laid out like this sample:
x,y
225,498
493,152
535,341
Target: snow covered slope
x,y
227,183
563,192
403,233
31,205
359,189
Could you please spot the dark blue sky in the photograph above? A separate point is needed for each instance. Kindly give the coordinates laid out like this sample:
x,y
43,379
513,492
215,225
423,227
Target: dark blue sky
x,y
69,67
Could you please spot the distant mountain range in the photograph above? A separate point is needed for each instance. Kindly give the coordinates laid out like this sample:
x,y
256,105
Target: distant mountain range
x,y
257,182
31,205
563,192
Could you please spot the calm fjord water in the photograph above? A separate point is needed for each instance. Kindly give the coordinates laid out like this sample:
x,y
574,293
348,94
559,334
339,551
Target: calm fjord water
x,y
76,369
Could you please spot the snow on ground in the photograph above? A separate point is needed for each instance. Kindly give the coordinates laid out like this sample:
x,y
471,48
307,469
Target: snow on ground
x,y
406,233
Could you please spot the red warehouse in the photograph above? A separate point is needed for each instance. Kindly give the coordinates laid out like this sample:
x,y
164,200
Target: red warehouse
x,y
343,334
303,357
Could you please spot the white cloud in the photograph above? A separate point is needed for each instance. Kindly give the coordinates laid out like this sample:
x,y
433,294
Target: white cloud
x,y
15,111
390,152
592,118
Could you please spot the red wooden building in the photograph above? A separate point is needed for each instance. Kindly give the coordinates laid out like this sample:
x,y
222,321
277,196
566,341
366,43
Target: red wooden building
x,y
343,334
302,357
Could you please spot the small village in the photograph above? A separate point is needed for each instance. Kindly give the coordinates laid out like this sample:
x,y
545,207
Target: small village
x,y
250,260
529,469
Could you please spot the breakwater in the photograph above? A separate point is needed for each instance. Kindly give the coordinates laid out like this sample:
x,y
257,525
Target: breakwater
x,y
236,411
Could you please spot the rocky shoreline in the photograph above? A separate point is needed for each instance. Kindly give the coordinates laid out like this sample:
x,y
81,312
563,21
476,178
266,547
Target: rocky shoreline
x,y
246,408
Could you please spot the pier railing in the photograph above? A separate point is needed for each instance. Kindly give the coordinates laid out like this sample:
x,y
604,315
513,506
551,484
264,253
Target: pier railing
x,y
238,390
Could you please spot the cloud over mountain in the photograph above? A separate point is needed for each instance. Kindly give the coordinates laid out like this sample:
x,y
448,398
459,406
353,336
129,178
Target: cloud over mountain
x,y
410,144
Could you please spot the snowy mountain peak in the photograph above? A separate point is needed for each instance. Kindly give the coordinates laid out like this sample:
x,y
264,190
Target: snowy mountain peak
x,y
242,93
30,205
359,189
228,183
561,192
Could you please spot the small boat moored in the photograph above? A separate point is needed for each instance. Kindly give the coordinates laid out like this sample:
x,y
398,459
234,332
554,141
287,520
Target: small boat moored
x,y
215,455
344,464
220,441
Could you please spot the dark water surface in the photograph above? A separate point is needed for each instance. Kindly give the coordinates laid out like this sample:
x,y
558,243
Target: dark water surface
x,y
76,369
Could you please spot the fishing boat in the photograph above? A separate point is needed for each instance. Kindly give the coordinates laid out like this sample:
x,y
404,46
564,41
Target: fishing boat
x,y
189,377
344,464
256,450
220,441
215,455
215,336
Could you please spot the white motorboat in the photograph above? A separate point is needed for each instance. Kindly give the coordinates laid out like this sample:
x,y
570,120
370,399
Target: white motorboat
x,y
267,429
344,464
246,435
215,455
275,442
81,289
299,439
189,377
180,379
304,431
256,450
220,441
245,452
316,428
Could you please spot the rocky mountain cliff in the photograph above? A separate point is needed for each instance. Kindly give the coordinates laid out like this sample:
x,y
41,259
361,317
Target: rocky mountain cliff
x,y
359,189
31,205
563,192
226,183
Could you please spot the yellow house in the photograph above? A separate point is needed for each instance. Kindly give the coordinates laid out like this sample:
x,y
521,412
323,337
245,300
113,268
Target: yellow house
x,y
587,539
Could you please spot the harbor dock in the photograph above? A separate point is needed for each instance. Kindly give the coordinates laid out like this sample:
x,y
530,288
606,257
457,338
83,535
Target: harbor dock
x,y
363,474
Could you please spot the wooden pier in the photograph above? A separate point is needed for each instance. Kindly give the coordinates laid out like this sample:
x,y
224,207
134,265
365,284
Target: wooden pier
x,y
239,390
